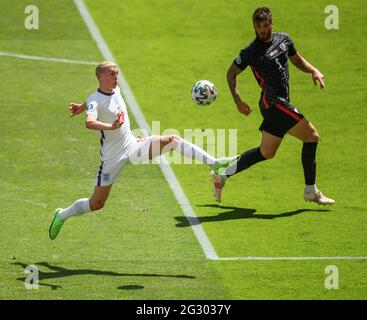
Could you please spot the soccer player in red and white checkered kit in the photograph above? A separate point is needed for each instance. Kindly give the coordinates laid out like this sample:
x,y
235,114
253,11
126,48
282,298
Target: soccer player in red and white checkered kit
x,y
267,56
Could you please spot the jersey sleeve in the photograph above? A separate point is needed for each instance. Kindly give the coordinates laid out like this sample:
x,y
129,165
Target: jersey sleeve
x,y
92,107
291,49
243,59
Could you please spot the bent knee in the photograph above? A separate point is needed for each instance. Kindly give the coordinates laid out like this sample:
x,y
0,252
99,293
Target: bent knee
x,y
97,205
174,138
267,154
313,136
171,140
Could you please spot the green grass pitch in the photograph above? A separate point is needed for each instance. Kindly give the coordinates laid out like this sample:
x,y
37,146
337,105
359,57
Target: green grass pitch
x,y
141,245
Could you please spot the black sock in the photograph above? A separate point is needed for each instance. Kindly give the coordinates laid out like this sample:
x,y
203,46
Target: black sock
x,y
245,161
309,162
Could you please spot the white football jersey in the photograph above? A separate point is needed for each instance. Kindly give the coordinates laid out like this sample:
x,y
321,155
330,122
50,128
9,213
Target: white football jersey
x,y
115,144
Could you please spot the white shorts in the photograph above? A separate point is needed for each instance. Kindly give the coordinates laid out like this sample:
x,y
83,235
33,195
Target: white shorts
x,y
109,170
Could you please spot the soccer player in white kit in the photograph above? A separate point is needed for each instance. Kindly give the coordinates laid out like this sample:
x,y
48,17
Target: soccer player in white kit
x,y
106,112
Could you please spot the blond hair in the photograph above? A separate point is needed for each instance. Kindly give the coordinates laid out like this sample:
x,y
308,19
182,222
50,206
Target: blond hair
x,y
102,66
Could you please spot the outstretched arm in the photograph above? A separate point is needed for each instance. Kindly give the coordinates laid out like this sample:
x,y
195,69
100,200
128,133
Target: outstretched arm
x,y
232,74
77,108
302,64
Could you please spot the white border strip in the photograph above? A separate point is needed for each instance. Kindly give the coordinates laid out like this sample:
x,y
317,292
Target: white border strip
x,y
291,258
25,56
142,123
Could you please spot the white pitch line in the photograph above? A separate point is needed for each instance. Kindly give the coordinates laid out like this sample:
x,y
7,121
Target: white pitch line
x,y
292,258
60,60
168,173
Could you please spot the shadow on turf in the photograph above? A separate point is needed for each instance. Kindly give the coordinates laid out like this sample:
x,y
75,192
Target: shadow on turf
x,y
60,272
131,287
235,213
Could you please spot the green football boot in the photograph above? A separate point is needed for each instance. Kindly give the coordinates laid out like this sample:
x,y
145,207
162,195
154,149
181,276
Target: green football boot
x,y
224,163
56,225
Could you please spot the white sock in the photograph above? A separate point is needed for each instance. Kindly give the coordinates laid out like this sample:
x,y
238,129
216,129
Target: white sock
x,y
77,208
311,188
192,151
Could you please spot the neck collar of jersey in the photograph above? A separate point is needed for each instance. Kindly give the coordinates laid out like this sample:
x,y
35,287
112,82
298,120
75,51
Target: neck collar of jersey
x,y
105,93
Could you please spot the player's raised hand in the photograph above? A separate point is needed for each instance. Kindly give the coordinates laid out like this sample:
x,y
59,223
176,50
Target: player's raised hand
x,y
76,108
318,76
119,120
243,107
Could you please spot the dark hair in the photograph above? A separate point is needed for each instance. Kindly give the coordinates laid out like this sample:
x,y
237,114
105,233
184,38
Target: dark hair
x,y
262,14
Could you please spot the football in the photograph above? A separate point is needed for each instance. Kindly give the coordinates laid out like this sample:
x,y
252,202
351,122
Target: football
x,y
203,92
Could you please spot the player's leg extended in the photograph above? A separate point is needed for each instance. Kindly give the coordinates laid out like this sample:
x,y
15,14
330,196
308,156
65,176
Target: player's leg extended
x,y
307,133
267,150
79,207
99,197
163,144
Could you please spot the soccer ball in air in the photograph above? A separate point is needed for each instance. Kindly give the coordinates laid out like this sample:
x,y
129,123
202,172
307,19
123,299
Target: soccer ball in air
x,y
203,92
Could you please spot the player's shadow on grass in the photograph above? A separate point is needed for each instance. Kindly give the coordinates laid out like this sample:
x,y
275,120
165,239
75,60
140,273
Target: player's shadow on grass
x,y
235,213
60,272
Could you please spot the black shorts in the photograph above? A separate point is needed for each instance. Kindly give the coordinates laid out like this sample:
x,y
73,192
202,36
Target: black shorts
x,y
279,116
